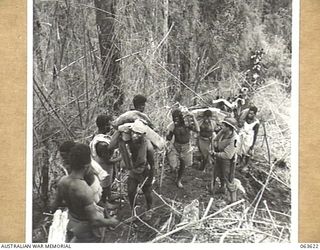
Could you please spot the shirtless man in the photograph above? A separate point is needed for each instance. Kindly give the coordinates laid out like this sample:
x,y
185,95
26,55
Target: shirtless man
x,y
74,193
180,155
207,127
248,134
93,174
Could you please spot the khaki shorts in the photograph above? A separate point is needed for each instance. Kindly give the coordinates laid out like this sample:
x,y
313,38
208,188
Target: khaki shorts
x,y
204,145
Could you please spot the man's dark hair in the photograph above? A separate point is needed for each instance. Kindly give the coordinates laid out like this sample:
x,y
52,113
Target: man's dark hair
x,y
79,156
102,120
176,113
207,113
138,100
254,109
66,146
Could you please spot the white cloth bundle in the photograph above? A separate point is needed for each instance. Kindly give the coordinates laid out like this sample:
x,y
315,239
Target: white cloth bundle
x,y
58,228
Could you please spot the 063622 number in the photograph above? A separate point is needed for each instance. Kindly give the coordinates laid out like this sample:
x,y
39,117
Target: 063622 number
x,y
309,245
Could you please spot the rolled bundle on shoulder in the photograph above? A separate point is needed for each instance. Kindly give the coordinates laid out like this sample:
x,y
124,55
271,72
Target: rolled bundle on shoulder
x,y
187,116
140,127
130,116
125,131
217,114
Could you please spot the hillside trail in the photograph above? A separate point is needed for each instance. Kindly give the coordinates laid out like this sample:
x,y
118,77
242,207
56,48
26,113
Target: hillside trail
x,y
169,201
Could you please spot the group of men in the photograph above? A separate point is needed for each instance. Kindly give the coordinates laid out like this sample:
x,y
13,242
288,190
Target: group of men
x,y
86,189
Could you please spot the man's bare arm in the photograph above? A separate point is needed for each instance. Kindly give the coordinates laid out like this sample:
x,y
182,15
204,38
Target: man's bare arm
x,y
96,219
114,140
58,201
256,130
150,154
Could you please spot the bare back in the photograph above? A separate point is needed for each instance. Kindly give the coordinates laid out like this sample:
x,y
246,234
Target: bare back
x,y
77,195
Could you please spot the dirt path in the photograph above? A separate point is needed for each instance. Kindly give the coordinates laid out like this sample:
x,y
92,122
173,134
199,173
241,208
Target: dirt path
x,y
195,187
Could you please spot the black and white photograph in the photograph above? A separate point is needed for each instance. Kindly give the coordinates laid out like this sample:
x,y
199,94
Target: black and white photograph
x,y
163,121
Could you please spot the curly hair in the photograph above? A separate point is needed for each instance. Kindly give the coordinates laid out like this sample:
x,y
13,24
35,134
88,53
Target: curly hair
x,y
103,120
254,109
138,100
79,156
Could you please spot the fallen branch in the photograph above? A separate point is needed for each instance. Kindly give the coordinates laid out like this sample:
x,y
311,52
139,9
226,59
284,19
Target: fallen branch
x,y
195,222
138,190
166,224
273,222
280,236
258,181
276,178
208,208
146,224
129,220
160,197
276,212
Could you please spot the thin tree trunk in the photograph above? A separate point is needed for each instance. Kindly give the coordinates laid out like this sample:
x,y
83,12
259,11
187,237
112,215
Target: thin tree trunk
x,y
184,71
109,48
165,31
45,175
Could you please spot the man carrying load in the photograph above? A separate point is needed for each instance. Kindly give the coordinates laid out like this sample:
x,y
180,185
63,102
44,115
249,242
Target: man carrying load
x,y
180,155
205,138
138,155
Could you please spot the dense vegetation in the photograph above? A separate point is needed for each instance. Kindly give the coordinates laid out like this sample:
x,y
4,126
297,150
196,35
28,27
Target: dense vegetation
x,y
93,56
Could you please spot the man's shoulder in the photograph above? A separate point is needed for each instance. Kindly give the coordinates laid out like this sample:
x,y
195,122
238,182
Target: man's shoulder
x,y
74,184
63,181
81,190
